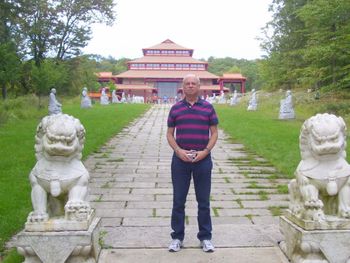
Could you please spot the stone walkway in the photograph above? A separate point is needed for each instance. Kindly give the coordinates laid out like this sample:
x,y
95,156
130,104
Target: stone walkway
x,y
130,188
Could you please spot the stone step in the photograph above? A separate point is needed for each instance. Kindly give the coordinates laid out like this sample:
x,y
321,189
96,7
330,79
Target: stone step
x,y
195,255
224,235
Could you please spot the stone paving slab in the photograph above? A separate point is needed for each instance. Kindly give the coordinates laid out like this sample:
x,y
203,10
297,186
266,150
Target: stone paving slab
x,y
130,188
229,235
222,255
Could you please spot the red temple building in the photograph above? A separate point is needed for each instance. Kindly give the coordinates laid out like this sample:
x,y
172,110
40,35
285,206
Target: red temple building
x,y
161,69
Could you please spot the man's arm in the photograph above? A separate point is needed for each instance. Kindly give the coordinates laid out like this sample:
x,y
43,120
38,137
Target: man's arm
x,y
212,141
182,154
213,137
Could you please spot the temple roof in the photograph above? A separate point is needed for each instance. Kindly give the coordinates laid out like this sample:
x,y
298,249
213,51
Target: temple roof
x,y
168,45
104,74
167,59
230,76
134,87
171,74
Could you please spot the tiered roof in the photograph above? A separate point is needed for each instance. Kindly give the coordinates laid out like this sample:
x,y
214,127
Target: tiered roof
x,y
173,74
165,55
167,45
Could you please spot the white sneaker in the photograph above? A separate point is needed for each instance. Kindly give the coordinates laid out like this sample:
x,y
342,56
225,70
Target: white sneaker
x,y
175,245
207,246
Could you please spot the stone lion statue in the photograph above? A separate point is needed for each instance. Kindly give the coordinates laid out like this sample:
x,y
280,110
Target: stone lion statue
x,y
59,179
322,185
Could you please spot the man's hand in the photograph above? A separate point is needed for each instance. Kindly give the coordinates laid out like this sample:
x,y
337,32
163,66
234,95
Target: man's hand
x,y
200,155
184,155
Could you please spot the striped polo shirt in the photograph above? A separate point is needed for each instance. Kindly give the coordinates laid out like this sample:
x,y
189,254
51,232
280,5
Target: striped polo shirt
x,y
192,123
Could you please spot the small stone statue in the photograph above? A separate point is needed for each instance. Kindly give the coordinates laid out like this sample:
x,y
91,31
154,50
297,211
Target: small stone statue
x,y
286,107
123,99
115,97
253,102
104,100
222,99
234,99
317,95
85,99
54,106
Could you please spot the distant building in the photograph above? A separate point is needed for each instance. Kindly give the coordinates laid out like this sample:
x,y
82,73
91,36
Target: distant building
x,y
161,70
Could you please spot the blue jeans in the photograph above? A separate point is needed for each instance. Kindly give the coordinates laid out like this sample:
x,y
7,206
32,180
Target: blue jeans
x,y
181,173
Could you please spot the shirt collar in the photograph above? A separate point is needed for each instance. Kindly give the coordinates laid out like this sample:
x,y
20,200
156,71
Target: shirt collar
x,y
199,101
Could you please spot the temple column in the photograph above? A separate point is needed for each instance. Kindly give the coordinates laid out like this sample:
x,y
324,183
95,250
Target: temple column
x,y
243,86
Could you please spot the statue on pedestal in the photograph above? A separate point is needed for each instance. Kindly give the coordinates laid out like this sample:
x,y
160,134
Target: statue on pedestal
x,y
317,224
222,99
253,102
54,106
234,99
115,97
85,99
62,226
123,99
286,107
104,100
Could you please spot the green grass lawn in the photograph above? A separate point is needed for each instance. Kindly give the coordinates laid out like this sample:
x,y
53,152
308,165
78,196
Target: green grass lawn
x,y
17,156
262,132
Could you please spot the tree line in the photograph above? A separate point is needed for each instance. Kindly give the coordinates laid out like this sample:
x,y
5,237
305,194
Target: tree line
x,y
41,42
307,45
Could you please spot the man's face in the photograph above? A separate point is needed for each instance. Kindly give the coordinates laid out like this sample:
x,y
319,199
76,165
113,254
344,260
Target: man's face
x,y
191,86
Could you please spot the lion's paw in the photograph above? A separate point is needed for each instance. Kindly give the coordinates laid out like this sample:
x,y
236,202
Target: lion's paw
x,y
313,203
77,210
319,216
345,213
37,217
295,208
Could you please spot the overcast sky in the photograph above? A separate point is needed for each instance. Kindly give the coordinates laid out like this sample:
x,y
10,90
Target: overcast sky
x,y
219,28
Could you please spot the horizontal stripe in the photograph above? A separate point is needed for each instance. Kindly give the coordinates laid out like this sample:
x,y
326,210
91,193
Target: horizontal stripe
x,y
192,136
193,117
191,126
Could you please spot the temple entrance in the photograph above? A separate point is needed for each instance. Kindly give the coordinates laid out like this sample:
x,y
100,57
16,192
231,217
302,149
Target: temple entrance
x,y
168,89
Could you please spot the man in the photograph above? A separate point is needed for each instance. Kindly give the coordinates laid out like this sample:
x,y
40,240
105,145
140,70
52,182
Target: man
x,y
195,122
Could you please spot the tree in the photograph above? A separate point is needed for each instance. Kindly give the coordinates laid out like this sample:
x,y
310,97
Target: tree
x,y
60,28
72,29
9,67
284,39
82,74
36,24
327,52
10,61
47,76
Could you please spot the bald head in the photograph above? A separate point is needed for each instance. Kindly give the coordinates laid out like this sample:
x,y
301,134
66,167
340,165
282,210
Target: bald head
x,y
191,77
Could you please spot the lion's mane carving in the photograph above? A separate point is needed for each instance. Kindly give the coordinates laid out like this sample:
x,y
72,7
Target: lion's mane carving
x,y
59,179
322,185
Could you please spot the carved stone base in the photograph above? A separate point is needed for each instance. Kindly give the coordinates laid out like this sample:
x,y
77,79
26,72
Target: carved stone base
x,y
330,223
60,247
314,246
60,224
286,115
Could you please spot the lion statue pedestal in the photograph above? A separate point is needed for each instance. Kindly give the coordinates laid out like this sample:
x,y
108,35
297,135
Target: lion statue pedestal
x,y
62,226
317,224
